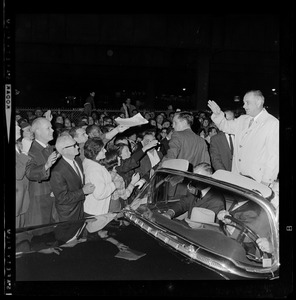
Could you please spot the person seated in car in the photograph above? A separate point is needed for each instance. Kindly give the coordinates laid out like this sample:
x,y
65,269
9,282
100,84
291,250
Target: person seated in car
x,y
255,218
202,196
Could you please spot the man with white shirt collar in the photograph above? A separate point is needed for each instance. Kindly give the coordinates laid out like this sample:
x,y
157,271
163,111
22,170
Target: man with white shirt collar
x,y
67,181
41,209
256,144
150,160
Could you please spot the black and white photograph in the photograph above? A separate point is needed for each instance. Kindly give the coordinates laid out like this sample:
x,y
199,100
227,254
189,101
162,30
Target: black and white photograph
x,y
153,151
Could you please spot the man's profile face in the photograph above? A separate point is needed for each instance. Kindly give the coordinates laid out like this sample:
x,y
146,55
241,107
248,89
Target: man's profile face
x,y
252,105
45,130
178,123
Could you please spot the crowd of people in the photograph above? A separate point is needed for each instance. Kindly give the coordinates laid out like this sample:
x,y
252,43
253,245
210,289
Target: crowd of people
x,y
67,170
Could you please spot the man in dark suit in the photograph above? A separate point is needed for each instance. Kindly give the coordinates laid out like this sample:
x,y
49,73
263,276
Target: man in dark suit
x,y
150,160
184,143
67,182
41,208
221,151
164,142
200,196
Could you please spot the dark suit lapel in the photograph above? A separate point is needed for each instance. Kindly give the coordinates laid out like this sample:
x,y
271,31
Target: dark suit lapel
x,y
68,168
79,162
225,142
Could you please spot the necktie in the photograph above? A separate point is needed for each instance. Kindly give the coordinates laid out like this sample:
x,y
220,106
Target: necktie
x,y
251,122
76,168
47,150
231,143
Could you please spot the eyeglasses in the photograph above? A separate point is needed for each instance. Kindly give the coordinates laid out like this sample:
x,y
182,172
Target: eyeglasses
x,y
74,145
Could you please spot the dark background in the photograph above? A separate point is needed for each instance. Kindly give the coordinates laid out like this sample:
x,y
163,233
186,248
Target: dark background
x,y
148,57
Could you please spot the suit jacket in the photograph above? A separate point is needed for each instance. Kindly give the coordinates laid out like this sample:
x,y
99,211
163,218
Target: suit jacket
x,y
145,166
41,209
188,145
164,146
220,152
256,148
212,200
21,188
67,188
128,166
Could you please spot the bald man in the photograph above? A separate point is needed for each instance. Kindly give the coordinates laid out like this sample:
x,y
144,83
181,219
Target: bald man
x,y
256,143
67,181
41,208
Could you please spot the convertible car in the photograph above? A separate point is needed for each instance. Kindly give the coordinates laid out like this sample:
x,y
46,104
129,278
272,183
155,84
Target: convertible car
x,y
186,247
207,241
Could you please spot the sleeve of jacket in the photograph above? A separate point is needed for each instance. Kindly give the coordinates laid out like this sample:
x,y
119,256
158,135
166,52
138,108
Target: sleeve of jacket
x,y
138,155
215,155
183,205
61,191
103,189
130,163
272,160
21,164
174,147
36,172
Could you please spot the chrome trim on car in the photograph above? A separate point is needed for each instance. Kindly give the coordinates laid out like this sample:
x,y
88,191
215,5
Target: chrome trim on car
x,y
200,255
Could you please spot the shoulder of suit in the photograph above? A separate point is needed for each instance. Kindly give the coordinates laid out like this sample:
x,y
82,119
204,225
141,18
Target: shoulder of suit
x,y
218,135
59,165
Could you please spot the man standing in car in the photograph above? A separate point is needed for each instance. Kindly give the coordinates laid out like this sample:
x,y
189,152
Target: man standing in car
x,y
184,143
256,144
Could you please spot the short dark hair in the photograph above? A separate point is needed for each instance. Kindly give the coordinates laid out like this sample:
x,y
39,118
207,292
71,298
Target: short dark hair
x,y
92,147
185,115
73,130
204,166
111,159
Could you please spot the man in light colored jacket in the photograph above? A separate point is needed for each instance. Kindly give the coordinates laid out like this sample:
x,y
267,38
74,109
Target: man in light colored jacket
x,y
256,145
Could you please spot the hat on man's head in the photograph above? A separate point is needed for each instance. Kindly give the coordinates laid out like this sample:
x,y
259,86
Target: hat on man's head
x,y
200,216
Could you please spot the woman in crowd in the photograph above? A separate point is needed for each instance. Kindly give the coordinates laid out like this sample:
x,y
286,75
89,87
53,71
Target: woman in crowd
x,y
111,161
159,120
98,202
67,123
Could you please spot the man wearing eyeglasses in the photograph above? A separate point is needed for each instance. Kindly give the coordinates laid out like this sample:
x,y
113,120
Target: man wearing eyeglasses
x,y
67,181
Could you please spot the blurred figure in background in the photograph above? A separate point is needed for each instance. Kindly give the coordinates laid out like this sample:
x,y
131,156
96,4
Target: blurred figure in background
x,y
89,103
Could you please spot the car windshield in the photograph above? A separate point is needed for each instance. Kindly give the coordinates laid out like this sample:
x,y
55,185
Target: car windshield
x,y
248,216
